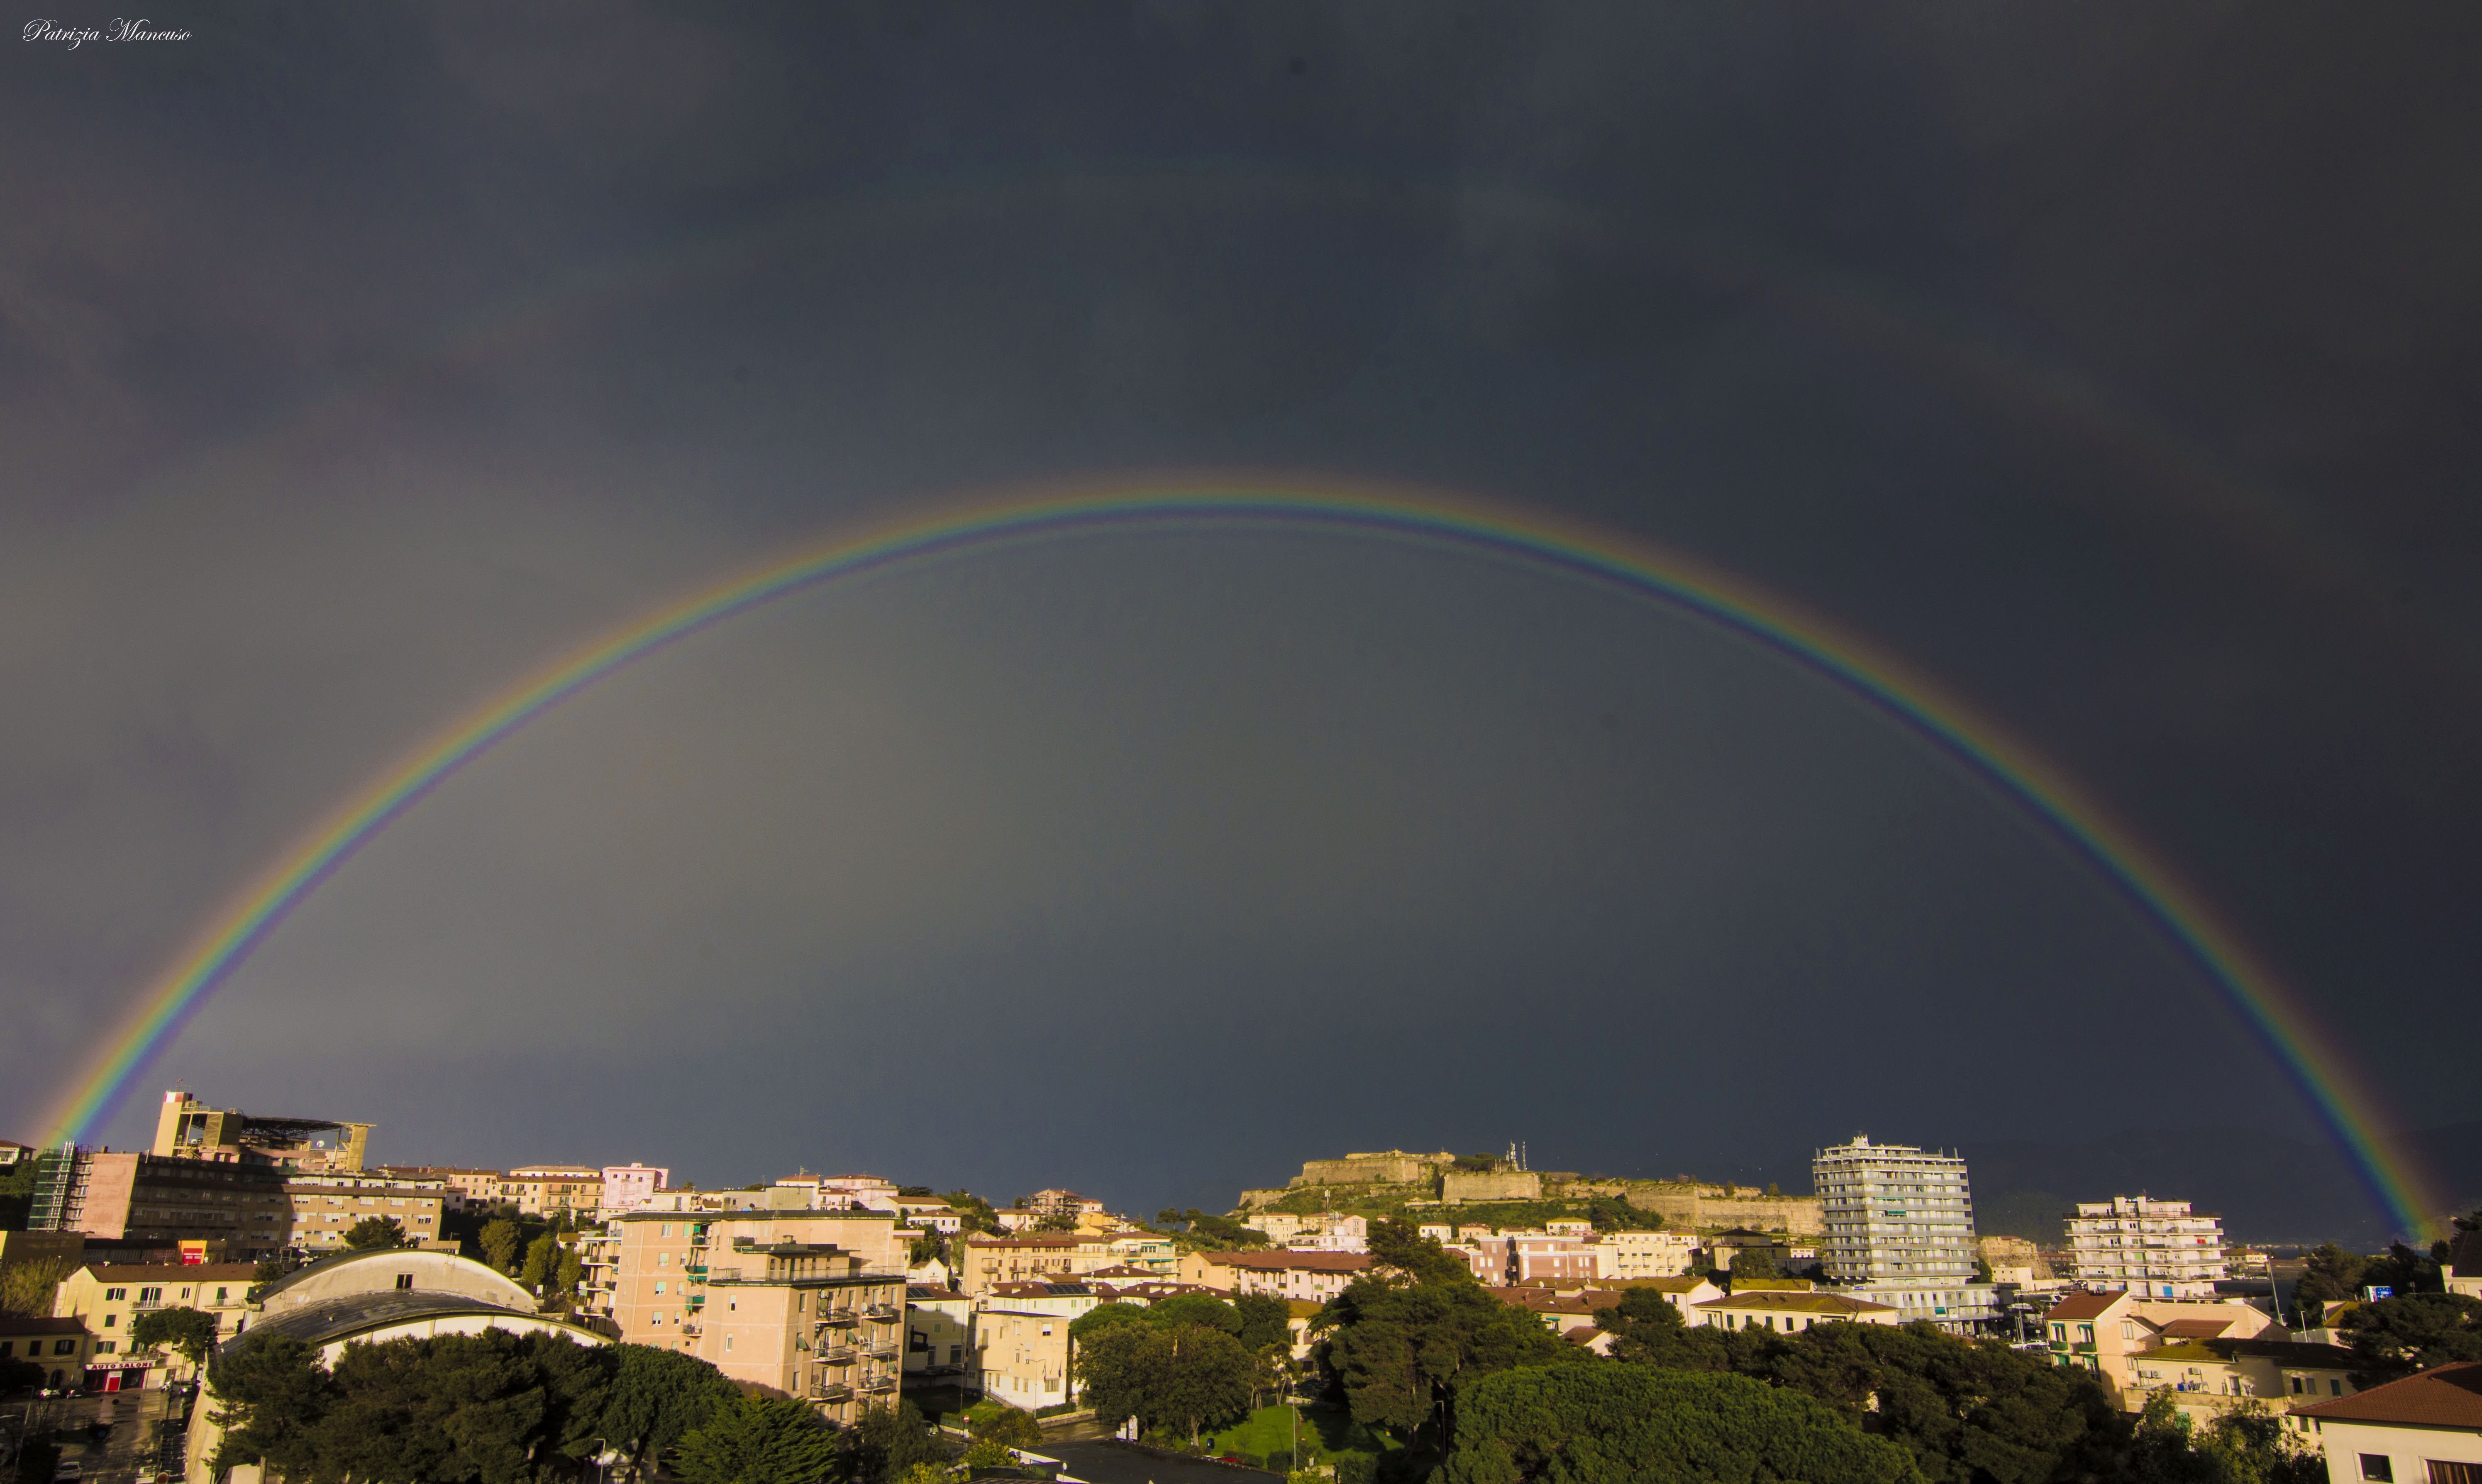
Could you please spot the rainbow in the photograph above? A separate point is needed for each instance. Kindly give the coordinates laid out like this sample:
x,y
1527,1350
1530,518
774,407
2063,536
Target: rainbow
x,y
2342,1100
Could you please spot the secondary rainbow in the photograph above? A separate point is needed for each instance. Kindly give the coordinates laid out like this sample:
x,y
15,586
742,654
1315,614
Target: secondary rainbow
x,y
2343,1100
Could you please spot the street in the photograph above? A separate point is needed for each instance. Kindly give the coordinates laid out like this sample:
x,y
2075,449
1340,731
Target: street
x,y
125,1453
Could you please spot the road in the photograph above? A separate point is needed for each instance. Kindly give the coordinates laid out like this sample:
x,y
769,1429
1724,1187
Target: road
x,y
125,1453
1106,1462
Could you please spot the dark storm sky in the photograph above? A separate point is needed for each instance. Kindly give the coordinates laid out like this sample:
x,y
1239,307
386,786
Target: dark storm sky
x,y
2116,366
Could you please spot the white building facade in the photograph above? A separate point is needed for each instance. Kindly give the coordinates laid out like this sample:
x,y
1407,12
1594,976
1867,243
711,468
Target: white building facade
x,y
1899,1231
2161,1249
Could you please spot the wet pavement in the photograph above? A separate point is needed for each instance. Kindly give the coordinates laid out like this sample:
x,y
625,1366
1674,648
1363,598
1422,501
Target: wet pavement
x,y
1108,1462
123,1454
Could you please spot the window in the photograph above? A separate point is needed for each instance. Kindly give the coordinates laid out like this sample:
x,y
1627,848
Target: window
x,y
2296,1385
109,1320
2375,1466
106,1347
405,1280
727,1344
2334,1386
8,1347
112,1295
150,1296
2442,1471
2059,1333
63,1346
659,1285
219,1295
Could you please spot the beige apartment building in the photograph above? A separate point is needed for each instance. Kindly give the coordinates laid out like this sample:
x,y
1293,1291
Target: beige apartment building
x,y
808,1302
2208,1377
1786,1310
938,1329
319,1212
2161,1249
1022,1356
1314,1276
58,1345
2104,1332
555,1189
108,1297
1648,1254
991,1260
464,1187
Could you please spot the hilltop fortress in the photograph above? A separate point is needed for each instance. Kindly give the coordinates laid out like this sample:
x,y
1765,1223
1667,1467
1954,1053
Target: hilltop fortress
x,y
1395,1177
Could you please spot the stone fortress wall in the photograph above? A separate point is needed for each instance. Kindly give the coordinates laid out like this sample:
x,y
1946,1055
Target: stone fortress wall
x,y
1395,1174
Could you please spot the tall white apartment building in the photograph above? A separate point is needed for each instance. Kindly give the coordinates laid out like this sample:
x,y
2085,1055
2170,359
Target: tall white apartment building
x,y
2160,1249
1899,1230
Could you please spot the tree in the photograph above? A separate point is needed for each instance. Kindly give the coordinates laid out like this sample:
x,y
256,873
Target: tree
x,y
888,1441
542,1254
1619,1424
1058,1221
973,1212
499,1242
657,1397
1103,1316
190,1332
1396,1246
1203,1309
1175,1377
759,1440
2328,1273
1007,1426
28,1288
572,1268
1750,1264
1397,1349
16,1375
2246,1446
986,1456
1265,1321
2415,1332
929,1247
374,1233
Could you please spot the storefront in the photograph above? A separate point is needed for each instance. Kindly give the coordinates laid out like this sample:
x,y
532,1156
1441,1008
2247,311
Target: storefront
x,y
109,1373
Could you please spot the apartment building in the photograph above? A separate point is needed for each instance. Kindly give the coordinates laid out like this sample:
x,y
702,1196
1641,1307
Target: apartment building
x,y
2159,1248
2105,1332
1786,1310
1648,1254
319,1212
938,1329
1899,1231
160,1200
929,1213
2205,1378
1022,1356
808,1302
632,1186
2424,1429
58,1345
464,1188
107,1298
989,1260
1313,1276
551,1190
186,1129
1056,1201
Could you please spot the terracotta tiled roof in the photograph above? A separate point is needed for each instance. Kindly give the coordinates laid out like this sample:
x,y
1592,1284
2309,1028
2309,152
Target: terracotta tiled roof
x,y
2284,1352
2084,1306
2195,1329
2442,1396
1273,1261
1775,1300
174,1272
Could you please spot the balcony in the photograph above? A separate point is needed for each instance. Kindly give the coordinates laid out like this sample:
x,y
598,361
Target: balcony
x,y
694,1269
884,1312
840,1319
879,1383
832,1390
696,1301
837,1355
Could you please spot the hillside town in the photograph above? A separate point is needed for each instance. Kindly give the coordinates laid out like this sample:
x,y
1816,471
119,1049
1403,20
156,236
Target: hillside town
x,y
132,1280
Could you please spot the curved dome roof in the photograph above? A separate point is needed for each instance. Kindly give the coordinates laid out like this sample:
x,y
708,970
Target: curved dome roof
x,y
387,1270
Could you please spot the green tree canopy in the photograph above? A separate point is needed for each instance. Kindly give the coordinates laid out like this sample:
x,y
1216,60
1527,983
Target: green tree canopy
x,y
2330,1272
456,1408
1397,1246
1396,1349
1629,1424
2414,1331
758,1439
1754,1263
16,1375
886,1440
28,1288
190,1332
1265,1321
1203,1310
974,1213
1009,1426
500,1243
374,1233
1103,1316
658,1397
2246,1446
1172,1378
543,1256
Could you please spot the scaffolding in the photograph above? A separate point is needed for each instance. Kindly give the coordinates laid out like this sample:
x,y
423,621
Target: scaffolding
x,y
60,1189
